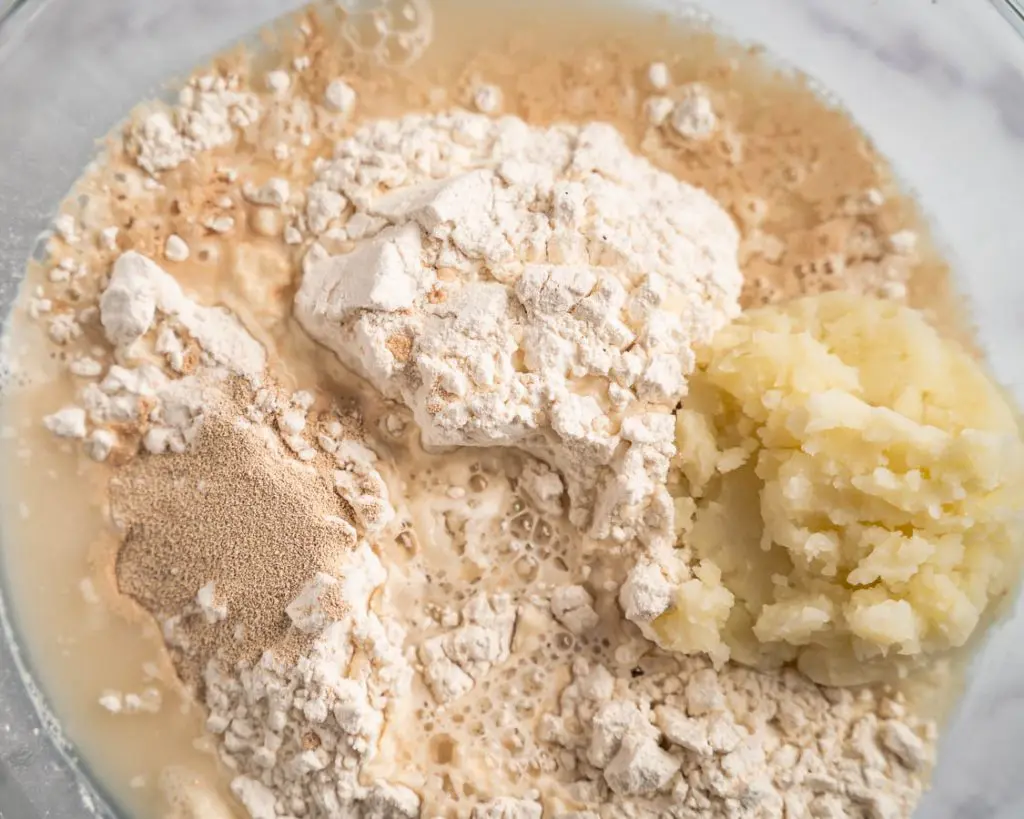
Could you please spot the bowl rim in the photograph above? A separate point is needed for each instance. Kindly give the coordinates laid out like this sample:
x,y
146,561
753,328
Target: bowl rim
x,y
1013,11
15,16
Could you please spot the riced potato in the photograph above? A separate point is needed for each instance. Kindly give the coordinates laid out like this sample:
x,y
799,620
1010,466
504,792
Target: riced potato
x,y
850,491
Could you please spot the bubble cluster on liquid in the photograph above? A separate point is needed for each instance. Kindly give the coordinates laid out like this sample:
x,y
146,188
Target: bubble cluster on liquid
x,y
498,542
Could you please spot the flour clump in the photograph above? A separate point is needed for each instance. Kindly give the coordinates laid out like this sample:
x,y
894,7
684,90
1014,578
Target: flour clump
x,y
173,354
210,111
526,287
267,608
682,740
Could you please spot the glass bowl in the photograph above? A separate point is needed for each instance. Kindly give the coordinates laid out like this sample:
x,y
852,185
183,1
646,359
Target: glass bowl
x,y
938,86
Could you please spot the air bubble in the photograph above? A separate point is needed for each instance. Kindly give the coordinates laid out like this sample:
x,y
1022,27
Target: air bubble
x,y
363,30
395,425
543,532
442,749
527,567
522,526
407,540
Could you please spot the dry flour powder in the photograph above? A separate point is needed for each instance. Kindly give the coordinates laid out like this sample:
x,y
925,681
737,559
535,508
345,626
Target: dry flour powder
x,y
524,287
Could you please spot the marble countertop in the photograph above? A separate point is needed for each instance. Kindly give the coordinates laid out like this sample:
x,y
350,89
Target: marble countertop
x,y
938,84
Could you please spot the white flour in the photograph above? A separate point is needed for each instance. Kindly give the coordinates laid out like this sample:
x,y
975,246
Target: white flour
x,y
298,733
295,731
172,353
454,661
693,116
518,286
210,109
139,289
685,741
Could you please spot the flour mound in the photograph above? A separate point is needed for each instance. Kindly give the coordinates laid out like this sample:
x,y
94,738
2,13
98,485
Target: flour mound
x,y
528,287
683,741
139,289
266,608
210,110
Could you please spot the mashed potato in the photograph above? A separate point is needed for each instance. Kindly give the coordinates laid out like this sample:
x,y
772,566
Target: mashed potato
x,y
850,489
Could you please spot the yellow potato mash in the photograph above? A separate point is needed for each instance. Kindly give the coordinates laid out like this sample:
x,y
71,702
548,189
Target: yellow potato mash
x,y
850,489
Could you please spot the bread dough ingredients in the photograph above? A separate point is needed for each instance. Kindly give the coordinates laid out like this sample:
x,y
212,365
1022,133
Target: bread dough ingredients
x,y
374,630
888,472
540,288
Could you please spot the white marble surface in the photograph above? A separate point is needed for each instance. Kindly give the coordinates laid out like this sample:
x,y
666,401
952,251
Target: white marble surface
x,y
939,84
